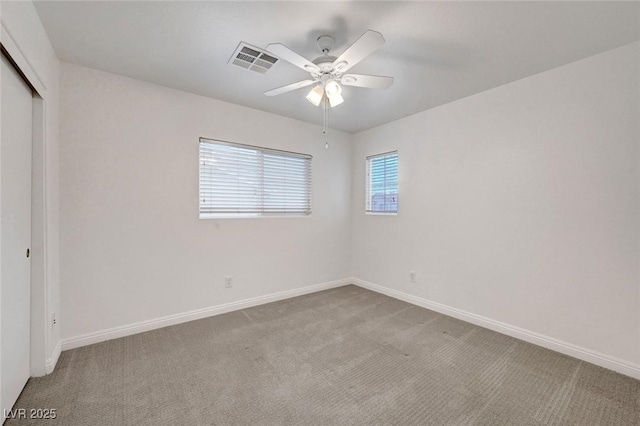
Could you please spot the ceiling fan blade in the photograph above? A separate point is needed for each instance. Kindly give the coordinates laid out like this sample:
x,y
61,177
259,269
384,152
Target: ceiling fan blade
x,y
292,57
360,49
368,81
289,88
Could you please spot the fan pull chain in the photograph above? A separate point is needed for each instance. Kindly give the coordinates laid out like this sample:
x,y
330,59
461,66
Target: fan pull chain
x,y
325,115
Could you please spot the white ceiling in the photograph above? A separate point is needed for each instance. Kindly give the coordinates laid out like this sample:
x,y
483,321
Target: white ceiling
x,y
437,51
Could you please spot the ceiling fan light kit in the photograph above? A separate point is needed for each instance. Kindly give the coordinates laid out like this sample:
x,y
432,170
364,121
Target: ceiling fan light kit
x,y
328,72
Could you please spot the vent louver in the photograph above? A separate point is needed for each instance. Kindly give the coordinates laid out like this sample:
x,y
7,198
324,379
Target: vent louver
x,y
252,58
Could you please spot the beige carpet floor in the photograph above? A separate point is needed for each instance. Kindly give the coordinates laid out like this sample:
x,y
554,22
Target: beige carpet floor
x,y
339,357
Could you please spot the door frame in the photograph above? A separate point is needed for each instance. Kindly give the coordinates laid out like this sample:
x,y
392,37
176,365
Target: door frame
x,y
41,362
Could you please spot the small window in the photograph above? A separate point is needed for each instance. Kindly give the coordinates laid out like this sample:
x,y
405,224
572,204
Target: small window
x,y
246,181
382,183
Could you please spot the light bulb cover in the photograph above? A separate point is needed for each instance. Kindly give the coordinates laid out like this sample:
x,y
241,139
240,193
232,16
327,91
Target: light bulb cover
x,y
335,100
315,95
333,88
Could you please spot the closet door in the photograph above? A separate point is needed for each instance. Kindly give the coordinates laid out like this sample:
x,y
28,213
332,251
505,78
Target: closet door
x,y
15,230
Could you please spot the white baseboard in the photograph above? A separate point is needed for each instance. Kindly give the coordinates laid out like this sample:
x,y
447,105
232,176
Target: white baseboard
x,y
53,359
139,327
621,366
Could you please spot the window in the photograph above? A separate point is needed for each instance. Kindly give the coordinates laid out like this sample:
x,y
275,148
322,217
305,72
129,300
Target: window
x,y
382,183
242,180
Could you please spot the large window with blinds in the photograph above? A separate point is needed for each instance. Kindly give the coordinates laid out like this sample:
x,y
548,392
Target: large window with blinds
x,y
246,181
382,183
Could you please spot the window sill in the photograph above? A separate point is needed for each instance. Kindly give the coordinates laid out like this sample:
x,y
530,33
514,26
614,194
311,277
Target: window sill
x,y
381,213
252,216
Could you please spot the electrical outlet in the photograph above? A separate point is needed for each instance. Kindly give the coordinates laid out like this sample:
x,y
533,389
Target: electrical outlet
x,y
412,276
228,282
54,321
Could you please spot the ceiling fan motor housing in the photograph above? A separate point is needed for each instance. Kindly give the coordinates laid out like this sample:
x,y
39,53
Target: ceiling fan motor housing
x,y
325,63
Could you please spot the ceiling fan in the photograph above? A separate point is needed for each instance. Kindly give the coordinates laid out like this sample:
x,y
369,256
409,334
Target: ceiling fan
x,y
328,72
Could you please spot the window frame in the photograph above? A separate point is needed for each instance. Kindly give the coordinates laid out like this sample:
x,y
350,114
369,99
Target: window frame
x,y
368,191
262,150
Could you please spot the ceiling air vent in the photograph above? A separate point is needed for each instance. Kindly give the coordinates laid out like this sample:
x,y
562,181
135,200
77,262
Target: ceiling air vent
x,y
252,58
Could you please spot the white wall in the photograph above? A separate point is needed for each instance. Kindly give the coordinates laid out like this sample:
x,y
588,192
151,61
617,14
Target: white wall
x,y
23,25
520,204
132,246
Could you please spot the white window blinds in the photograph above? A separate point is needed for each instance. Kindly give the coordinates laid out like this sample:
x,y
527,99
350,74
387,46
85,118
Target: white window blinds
x,y
243,180
382,183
